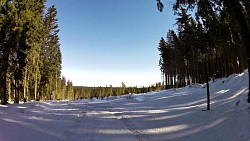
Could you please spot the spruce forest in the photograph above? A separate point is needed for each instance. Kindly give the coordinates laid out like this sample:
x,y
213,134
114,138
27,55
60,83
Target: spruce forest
x,y
30,56
81,92
211,41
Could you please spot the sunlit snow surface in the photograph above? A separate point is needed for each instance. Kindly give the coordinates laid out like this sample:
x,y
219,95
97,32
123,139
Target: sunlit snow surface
x,y
170,115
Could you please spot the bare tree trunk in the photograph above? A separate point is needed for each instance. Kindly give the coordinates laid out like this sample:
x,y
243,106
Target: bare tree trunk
x,y
35,91
16,91
25,84
36,83
9,90
207,82
4,80
166,81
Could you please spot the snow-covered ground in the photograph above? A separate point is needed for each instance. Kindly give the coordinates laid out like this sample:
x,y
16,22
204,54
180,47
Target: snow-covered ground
x,y
171,115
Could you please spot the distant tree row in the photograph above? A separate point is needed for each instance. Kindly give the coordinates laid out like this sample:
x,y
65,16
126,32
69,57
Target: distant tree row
x,y
81,92
205,45
30,56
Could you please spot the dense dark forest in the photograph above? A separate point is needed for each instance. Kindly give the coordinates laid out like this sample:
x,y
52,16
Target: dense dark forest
x,y
211,41
30,56
193,51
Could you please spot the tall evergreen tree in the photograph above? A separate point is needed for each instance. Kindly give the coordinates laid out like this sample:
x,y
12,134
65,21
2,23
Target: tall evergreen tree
x,y
70,91
35,40
5,29
51,55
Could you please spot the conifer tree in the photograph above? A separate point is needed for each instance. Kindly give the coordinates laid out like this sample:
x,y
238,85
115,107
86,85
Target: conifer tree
x,y
70,91
51,55
35,40
5,29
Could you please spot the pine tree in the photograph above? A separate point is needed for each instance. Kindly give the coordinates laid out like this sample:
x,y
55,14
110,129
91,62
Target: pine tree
x,y
5,28
63,88
35,40
51,55
69,94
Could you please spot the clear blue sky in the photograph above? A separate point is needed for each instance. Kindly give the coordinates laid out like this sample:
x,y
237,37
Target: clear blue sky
x,y
106,42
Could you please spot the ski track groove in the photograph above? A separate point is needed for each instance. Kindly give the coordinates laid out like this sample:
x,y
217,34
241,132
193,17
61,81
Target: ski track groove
x,y
139,136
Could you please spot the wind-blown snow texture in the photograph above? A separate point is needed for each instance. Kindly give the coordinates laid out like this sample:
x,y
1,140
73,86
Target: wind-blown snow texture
x,y
171,115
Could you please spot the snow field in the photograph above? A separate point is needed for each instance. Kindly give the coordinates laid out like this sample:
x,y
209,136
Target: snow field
x,y
170,115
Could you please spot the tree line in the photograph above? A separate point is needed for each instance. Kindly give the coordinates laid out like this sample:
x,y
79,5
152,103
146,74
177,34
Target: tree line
x,y
30,56
195,51
211,41
82,92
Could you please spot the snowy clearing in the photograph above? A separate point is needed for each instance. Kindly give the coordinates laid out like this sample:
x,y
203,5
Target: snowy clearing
x,y
171,115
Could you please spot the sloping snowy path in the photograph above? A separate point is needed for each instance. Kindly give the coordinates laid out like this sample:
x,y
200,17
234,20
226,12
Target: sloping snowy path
x,y
171,115
59,121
